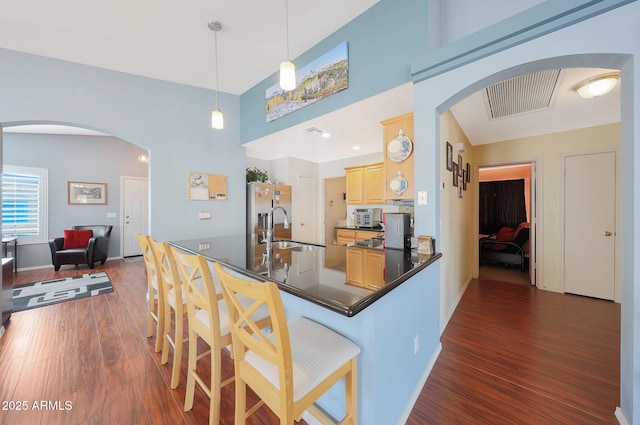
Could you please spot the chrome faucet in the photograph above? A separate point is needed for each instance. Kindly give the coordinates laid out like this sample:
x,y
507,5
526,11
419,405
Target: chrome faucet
x,y
270,225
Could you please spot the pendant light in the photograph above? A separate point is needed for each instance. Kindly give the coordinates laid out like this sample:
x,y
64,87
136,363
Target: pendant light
x,y
287,68
217,119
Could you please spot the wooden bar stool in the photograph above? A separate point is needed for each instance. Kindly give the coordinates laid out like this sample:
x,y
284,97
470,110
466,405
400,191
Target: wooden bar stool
x,y
154,291
206,322
291,368
175,302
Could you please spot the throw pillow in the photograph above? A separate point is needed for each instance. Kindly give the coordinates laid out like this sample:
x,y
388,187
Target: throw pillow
x,y
505,234
76,238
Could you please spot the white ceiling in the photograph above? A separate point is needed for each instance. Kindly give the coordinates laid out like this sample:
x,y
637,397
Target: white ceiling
x,y
172,42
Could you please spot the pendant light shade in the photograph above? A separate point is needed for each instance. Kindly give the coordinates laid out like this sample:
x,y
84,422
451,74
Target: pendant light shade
x,y
287,75
287,68
217,118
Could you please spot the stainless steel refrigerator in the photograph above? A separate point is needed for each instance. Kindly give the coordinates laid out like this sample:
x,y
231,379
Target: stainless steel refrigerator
x,y
261,199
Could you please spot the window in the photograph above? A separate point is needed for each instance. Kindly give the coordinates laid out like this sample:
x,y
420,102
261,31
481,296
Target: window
x,y
24,204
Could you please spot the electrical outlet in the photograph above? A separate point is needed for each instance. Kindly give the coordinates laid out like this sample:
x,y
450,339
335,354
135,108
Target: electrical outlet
x,y
416,344
422,197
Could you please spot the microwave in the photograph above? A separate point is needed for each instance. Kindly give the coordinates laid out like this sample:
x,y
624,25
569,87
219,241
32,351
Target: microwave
x,y
368,217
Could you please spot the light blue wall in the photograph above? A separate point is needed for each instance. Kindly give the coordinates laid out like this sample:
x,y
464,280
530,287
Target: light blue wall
x,y
74,158
578,38
383,42
171,120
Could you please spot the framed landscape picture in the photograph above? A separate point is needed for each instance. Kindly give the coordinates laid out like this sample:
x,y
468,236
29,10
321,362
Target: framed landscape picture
x,y
86,193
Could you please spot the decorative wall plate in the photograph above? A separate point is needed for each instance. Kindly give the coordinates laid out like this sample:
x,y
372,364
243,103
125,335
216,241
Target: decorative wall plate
x,y
399,148
398,184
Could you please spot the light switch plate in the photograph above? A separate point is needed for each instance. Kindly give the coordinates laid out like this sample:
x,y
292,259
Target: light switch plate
x,y
422,197
111,215
204,215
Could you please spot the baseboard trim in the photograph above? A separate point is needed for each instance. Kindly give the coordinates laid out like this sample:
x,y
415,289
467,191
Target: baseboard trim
x,y
406,412
443,324
620,417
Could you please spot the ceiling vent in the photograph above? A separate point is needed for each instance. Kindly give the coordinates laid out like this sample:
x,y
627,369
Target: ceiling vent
x,y
313,130
525,93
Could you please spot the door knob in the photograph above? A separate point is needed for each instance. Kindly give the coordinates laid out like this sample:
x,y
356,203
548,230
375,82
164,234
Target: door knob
x,y
607,233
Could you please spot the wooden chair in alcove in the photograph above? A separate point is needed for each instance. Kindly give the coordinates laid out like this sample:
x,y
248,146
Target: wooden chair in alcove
x,y
290,369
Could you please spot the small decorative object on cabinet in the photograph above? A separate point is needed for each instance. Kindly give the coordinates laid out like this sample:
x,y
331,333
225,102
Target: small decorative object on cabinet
x,y
426,245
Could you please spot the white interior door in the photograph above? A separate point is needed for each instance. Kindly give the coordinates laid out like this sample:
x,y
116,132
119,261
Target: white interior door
x,y
589,224
135,213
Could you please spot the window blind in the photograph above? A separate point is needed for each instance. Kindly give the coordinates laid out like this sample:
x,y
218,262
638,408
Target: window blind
x,y
20,204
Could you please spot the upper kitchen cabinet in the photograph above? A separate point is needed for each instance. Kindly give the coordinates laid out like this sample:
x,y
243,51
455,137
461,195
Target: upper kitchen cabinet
x,y
365,184
398,157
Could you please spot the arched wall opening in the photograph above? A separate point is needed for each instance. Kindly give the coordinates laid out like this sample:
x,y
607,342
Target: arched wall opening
x,y
71,153
574,46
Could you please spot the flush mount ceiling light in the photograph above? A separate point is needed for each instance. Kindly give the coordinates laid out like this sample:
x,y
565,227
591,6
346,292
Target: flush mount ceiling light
x,y
217,119
143,158
597,86
287,68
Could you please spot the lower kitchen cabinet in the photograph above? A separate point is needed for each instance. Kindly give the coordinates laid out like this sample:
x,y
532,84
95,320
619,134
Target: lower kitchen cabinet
x,y
365,268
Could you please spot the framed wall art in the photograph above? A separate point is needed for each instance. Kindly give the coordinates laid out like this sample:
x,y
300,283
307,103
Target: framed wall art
x,y
454,168
86,193
449,157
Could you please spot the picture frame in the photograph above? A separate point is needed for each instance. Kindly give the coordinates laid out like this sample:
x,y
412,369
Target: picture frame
x,y
464,179
449,156
86,193
468,173
460,166
454,168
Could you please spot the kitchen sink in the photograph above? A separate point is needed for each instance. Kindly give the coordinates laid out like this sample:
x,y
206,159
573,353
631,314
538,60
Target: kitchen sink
x,y
294,246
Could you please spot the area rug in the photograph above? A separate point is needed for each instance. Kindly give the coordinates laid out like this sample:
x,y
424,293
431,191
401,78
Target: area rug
x,y
47,292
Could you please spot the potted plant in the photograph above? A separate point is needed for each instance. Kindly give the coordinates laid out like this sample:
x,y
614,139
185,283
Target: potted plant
x,y
256,175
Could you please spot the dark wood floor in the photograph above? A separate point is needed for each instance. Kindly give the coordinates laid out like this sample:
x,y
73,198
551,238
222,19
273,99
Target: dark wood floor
x,y
511,354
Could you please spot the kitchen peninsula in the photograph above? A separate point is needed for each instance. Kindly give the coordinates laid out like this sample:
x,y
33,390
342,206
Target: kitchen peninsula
x,y
297,268
382,322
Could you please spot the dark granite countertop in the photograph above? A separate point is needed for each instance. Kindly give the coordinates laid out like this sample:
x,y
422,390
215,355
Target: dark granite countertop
x,y
313,272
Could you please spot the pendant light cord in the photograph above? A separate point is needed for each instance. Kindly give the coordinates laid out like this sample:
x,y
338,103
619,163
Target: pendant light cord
x,y
217,87
286,9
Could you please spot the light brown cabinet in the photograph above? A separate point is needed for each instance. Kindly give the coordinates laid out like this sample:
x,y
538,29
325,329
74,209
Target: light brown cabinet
x,y
391,130
365,268
365,184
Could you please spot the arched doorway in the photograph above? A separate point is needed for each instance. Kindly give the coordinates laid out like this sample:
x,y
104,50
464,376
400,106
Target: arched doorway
x,y
71,152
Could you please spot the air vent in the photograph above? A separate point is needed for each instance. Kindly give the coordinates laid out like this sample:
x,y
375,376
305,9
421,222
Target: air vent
x,y
526,93
313,130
